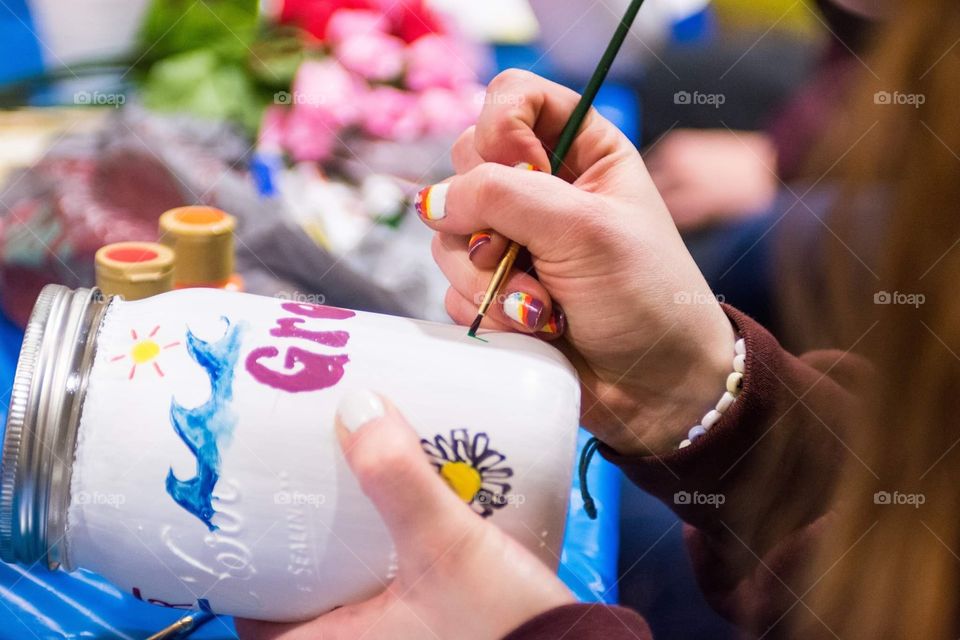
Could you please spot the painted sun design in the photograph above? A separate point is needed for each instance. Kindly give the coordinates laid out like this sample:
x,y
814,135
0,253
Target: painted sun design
x,y
473,470
144,351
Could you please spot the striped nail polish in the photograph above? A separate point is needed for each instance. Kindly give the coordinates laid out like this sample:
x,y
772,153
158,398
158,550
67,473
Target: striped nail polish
x,y
431,202
523,308
477,240
557,323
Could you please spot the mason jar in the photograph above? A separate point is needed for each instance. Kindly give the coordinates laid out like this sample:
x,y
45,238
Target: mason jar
x,y
183,447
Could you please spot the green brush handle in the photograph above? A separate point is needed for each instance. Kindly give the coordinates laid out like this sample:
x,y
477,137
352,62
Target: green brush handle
x,y
572,127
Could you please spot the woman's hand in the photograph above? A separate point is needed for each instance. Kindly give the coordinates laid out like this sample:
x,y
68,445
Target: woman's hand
x,y
707,176
459,576
650,342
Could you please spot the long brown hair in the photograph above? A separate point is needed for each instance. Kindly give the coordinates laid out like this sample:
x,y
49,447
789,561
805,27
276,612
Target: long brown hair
x,y
889,269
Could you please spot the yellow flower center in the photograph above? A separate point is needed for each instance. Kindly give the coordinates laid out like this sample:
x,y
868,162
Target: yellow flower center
x,y
144,351
462,478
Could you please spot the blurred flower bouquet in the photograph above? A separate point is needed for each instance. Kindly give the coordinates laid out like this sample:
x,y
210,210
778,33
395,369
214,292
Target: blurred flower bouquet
x,y
315,76
356,104
383,89
376,70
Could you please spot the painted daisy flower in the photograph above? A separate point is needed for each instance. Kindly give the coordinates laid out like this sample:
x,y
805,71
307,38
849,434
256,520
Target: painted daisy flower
x,y
472,469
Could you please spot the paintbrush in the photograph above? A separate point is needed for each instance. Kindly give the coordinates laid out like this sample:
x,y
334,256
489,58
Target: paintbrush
x,y
567,135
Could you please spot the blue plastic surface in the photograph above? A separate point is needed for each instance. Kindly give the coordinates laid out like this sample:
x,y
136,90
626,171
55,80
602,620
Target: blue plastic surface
x,y
588,561
21,52
696,28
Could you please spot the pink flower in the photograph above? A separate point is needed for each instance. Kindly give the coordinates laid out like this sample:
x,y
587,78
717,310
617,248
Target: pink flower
x,y
392,114
438,61
346,23
314,15
375,56
447,112
329,91
272,128
308,137
412,18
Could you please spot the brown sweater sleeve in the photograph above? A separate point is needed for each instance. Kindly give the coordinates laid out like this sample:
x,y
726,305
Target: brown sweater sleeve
x,y
579,621
754,492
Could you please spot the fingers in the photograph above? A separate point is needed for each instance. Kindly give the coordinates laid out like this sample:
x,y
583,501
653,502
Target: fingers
x,y
385,454
522,109
463,312
464,154
523,303
530,207
485,248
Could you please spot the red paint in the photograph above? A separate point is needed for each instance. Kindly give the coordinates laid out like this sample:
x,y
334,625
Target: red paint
x,y
132,254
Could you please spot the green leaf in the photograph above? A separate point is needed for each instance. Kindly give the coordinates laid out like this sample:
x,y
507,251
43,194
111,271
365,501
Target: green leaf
x,y
171,27
199,83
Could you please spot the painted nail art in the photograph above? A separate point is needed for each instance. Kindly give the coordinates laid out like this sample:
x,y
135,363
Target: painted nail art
x,y
557,323
523,308
525,165
477,240
431,202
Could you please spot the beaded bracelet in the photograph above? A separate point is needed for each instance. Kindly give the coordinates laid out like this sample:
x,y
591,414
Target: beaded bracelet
x,y
734,385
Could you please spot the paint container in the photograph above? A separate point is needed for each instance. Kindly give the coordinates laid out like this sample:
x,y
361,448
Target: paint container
x,y
183,445
202,238
134,270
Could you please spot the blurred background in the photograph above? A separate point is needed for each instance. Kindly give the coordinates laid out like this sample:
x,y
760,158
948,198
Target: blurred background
x,y
315,122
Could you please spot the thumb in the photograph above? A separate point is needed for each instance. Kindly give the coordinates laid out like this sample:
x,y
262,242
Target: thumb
x,y
385,455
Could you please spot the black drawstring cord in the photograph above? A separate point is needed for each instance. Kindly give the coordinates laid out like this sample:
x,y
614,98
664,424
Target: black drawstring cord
x,y
586,455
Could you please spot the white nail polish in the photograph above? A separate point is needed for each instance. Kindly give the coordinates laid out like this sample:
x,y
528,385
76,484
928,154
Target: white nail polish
x,y
358,407
431,203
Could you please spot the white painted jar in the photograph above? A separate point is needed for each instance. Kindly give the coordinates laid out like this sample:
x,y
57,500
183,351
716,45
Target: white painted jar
x,y
183,445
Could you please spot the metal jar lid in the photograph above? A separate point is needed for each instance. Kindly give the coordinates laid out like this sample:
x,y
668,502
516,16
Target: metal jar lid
x,y
38,445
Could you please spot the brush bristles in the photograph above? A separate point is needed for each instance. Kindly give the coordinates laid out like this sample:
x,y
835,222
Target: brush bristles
x,y
475,326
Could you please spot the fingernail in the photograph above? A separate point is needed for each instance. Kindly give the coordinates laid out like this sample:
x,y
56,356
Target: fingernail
x,y
431,202
358,407
526,165
557,323
477,240
523,308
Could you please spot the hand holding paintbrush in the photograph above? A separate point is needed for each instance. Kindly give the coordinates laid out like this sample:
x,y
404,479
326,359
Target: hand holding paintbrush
x,y
563,146
649,341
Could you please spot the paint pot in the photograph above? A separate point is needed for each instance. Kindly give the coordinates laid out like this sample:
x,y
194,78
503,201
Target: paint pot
x,y
183,445
134,270
202,238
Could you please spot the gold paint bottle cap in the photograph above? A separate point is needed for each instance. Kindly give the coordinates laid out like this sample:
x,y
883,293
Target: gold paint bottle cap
x,y
202,238
134,270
